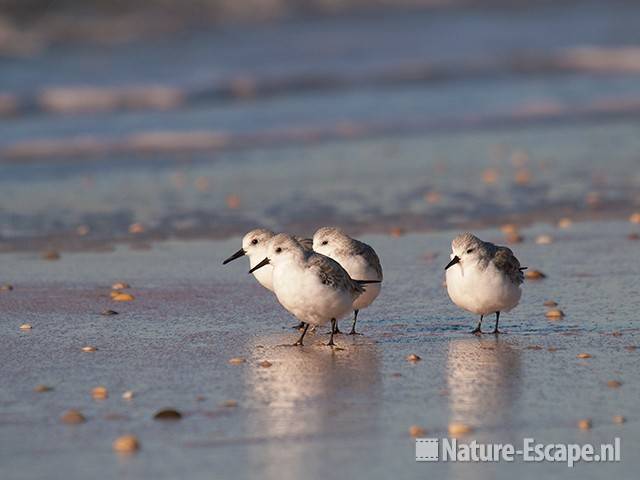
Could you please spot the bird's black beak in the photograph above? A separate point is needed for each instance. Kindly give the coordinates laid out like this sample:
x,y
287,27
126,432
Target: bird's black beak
x,y
453,261
264,262
238,254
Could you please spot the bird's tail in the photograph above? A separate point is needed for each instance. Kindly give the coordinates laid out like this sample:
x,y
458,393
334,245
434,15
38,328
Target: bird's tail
x,y
364,282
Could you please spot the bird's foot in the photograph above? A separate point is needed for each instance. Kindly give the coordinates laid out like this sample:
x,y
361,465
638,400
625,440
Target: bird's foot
x,y
298,344
353,332
497,332
476,331
298,326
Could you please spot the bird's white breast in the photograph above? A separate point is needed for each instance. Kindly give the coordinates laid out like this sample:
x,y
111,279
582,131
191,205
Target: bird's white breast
x,y
301,292
481,291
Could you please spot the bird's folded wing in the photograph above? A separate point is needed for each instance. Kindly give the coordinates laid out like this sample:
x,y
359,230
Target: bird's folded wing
x,y
506,262
332,274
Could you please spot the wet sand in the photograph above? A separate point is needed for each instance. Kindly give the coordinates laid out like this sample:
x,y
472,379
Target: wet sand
x,y
314,412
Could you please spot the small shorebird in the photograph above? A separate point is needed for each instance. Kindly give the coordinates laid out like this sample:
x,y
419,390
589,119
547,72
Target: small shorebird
x,y
357,258
314,288
483,278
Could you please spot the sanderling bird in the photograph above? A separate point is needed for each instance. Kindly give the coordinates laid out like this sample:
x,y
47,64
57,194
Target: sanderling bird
x,y
483,278
311,286
357,258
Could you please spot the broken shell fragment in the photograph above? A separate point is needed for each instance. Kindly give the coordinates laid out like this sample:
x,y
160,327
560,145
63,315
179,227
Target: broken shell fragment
x,y
120,286
416,431
265,364
554,314
26,326
168,414
614,384
619,419
534,275
99,393
584,355
123,297
458,428
584,424
126,444
413,358
236,360
73,417
89,348
42,388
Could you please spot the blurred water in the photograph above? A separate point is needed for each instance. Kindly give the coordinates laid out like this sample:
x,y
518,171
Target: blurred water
x,y
416,120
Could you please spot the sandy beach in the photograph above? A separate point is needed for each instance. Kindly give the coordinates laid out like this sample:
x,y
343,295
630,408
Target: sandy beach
x,y
320,412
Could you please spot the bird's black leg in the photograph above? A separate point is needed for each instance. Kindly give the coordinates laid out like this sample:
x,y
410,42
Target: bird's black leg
x,y
353,325
333,329
299,342
495,330
299,326
477,330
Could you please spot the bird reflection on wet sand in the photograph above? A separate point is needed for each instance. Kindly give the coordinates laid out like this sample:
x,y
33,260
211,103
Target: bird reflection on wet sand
x,y
307,395
483,381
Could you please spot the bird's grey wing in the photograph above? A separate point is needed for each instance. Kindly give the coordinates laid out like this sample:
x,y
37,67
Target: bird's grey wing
x,y
506,262
307,243
370,256
332,274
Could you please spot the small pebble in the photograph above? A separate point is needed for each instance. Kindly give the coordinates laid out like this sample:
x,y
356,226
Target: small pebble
x,y
26,326
510,228
584,424
89,348
126,444
554,314
416,431
552,349
128,395
565,222
73,417
544,240
265,364
534,275
514,238
51,255
120,286
619,419
583,355
109,312
6,287
396,232
42,388
237,360
123,297
136,228
413,358
614,384
99,393
550,303
230,403
83,230
233,201
635,217
168,414
457,428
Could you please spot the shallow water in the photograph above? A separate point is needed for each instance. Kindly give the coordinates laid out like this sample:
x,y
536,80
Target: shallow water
x,y
419,120
314,412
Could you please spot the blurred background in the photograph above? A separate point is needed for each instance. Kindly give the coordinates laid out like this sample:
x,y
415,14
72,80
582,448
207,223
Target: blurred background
x,y
141,120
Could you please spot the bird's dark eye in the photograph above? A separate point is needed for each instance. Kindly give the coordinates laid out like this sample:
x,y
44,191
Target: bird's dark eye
x,y
278,250
254,241
325,242
470,250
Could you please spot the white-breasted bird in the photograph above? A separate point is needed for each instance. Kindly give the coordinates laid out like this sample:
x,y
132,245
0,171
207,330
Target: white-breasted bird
x,y
311,286
483,278
357,258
